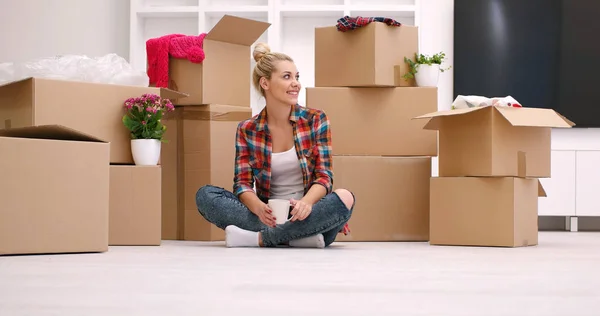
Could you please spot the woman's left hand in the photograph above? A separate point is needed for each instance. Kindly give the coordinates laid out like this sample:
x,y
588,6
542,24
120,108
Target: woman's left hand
x,y
301,210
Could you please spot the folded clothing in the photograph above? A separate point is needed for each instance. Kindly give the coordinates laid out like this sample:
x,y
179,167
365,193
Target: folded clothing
x,y
473,101
181,46
348,23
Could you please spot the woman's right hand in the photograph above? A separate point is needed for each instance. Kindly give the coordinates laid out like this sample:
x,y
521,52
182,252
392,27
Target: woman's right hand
x,y
265,214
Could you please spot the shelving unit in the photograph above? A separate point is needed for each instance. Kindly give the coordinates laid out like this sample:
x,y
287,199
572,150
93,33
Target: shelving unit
x,y
291,30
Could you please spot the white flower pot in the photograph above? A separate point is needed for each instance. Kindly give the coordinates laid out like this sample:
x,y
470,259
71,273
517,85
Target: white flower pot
x,y
427,75
146,152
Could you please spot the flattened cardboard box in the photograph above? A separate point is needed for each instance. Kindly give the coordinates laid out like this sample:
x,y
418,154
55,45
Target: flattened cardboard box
x,y
392,197
372,55
200,151
485,211
223,77
495,141
92,108
377,121
54,191
135,206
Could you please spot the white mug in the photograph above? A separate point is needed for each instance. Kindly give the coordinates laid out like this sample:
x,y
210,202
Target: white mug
x,y
281,210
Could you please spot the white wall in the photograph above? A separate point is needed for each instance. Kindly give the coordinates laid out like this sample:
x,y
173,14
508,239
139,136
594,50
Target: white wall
x,y
435,35
43,28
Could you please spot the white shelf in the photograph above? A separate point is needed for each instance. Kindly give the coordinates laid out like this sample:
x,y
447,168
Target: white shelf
x,y
168,12
291,30
246,11
311,11
383,8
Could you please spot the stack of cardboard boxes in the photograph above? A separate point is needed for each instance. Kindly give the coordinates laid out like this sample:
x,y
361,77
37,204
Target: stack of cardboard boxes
x,y
490,159
201,131
67,179
380,153
68,183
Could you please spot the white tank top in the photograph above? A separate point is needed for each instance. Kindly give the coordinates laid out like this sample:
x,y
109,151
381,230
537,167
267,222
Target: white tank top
x,y
286,176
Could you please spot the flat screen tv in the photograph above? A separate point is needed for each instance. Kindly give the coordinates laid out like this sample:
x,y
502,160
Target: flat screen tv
x,y
544,53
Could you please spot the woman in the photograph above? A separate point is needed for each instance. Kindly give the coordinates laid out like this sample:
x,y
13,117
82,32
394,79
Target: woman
x,y
287,150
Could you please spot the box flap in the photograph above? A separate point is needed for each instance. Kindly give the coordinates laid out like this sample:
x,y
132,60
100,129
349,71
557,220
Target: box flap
x,y
236,30
217,112
15,81
434,117
172,94
55,132
541,191
533,117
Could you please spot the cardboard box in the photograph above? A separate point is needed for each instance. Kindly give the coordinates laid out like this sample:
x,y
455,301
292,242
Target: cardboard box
x,y
92,108
224,76
392,197
364,57
495,141
200,151
54,191
135,205
363,120
484,211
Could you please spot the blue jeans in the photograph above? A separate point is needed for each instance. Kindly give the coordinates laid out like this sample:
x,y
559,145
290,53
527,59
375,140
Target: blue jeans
x,y
223,208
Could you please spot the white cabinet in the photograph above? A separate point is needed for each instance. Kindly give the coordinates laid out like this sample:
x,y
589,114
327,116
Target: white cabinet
x,y
588,183
560,188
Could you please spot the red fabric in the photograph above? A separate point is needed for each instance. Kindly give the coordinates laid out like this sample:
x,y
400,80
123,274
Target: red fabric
x,y
176,45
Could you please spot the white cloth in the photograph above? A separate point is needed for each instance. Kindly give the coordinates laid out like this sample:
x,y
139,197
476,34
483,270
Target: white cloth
x,y
286,176
472,101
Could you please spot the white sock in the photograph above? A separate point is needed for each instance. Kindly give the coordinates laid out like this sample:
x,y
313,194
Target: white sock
x,y
237,237
315,241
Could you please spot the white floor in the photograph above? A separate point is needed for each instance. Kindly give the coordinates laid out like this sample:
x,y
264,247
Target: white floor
x,y
561,276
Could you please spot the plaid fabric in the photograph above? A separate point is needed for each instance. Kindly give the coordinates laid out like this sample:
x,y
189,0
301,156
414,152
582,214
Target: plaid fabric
x,y
348,23
312,138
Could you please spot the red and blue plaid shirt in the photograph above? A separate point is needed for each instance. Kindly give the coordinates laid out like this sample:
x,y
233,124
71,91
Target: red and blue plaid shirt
x,y
312,139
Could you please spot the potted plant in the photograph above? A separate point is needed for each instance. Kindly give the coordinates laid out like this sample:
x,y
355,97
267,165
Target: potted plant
x,y
425,69
143,119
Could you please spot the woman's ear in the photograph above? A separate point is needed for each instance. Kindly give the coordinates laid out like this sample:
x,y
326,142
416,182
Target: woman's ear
x,y
264,83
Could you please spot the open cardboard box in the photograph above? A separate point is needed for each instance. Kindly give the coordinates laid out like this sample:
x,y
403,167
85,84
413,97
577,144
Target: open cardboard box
x,y
224,76
92,108
54,188
495,141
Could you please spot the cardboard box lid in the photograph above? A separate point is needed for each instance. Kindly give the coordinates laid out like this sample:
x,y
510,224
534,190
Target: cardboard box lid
x,y
50,132
532,117
236,30
164,92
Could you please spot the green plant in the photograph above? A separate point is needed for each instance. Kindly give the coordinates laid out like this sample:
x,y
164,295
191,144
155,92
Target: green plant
x,y
144,114
421,59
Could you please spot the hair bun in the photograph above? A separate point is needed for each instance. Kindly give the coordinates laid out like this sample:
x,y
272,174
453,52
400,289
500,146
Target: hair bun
x,y
260,50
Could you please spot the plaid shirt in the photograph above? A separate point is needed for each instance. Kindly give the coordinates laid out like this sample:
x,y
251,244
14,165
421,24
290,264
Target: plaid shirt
x,y
312,139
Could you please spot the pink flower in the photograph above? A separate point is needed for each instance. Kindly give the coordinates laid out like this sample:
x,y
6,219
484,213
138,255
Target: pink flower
x,y
150,109
143,122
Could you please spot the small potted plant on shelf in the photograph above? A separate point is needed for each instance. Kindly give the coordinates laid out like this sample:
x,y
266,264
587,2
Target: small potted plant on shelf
x,y
143,119
425,69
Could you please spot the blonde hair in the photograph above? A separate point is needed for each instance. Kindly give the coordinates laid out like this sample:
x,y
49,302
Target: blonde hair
x,y
265,64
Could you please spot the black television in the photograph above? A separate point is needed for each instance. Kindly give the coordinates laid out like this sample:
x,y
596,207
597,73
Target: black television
x,y
544,53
